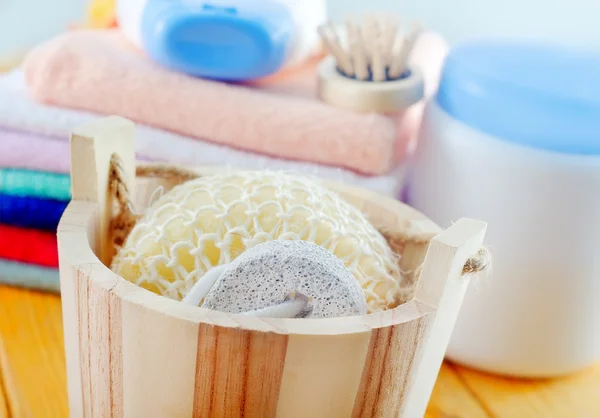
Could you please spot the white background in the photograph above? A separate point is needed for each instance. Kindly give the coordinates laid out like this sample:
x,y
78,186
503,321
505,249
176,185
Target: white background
x,y
575,22
23,23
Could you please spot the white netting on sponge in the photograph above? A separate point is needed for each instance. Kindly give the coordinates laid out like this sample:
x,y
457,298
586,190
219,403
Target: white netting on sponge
x,y
211,220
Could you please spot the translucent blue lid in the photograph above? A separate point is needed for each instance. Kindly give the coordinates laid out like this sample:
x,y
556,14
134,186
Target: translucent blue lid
x,y
533,94
236,43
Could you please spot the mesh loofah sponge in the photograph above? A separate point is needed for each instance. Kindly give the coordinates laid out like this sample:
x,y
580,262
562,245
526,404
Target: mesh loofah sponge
x,y
211,220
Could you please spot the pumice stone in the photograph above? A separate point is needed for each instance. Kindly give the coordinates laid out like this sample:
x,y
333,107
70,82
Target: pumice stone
x,y
271,274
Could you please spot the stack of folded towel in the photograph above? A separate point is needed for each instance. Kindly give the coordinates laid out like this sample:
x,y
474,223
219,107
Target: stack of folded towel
x,y
275,123
31,203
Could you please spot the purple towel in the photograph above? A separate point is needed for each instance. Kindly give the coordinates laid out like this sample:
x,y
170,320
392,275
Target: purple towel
x,y
33,152
36,152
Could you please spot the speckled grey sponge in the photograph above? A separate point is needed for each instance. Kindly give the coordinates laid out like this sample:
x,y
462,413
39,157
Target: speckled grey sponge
x,y
266,274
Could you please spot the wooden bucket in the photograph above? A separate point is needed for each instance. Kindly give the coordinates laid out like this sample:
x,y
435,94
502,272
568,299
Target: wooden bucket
x,y
131,353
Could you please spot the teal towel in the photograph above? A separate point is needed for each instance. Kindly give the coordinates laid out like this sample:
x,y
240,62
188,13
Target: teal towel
x,y
29,183
29,276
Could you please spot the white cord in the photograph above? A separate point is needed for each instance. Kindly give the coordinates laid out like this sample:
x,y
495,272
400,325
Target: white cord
x,y
289,308
203,286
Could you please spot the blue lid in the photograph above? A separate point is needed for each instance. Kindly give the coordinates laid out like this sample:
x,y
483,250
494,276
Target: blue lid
x,y
533,94
237,43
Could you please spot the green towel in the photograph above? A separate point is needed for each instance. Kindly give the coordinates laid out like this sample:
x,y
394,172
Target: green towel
x,y
29,183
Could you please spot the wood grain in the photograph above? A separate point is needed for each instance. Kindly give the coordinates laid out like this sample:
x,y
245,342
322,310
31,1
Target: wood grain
x,y
159,358
452,399
93,325
205,371
32,356
322,374
4,412
368,391
70,325
102,322
230,373
83,342
388,370
575,396
233,378
263,379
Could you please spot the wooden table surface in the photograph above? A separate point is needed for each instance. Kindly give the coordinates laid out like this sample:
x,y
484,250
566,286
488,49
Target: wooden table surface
x,y
33,381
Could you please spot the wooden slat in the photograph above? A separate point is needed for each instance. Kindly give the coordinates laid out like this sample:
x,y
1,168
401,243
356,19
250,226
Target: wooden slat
x,y
387,372
262,396
575,396
229,372
92,147
92,310
441,284
70,326
101,346
157,354
32,356
367,398
205,371
92,315
116,359
83,341
237,381
317,367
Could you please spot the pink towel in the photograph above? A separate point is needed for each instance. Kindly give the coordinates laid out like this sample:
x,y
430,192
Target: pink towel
x,y
98,71
30,126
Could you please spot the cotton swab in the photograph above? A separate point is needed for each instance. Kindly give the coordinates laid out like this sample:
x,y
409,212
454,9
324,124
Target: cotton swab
x,y
390,28
369,33
374,50
334,47
400,59
378,62
359,59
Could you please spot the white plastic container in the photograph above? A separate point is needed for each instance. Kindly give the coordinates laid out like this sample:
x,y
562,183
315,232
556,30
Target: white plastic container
x,y
224,39
513,137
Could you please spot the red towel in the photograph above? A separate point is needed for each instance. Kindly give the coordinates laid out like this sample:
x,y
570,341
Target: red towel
x,y
28,246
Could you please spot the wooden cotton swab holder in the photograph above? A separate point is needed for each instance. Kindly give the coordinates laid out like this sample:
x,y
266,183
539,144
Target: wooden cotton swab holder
x,y
386,97
134,354
370,73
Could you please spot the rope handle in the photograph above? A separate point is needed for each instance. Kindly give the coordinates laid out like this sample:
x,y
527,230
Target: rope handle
x,y
125,219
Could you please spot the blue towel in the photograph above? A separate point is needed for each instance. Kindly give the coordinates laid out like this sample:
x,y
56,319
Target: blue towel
x,y
31,212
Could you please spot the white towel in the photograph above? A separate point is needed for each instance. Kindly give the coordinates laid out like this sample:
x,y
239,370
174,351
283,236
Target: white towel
x,y
19,112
